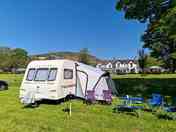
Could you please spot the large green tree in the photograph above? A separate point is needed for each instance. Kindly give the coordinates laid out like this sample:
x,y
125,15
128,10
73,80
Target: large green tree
x,y
160,35
13,58
144,10
151,61
5,55
19,58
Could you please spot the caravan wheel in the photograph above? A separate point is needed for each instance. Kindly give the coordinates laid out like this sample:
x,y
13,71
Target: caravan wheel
x,y
34,105
3,85
89,102
68,97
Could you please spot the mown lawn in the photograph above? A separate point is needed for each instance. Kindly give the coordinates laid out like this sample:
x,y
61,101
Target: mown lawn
x,y
145,76
85,118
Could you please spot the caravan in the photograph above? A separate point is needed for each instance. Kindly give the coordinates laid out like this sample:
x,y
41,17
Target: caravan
x,y
57,79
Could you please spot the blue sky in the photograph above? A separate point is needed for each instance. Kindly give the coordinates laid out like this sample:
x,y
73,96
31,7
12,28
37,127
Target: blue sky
x,y
41,26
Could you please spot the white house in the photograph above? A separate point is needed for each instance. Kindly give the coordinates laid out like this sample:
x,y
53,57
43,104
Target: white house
x,y
119,66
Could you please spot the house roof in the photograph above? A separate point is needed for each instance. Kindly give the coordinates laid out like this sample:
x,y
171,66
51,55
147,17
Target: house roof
x,y
123,61
155,67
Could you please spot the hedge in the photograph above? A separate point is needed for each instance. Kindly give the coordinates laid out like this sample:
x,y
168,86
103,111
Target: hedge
x,y
146,86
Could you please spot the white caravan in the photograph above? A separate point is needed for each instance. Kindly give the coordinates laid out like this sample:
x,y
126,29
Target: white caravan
x,y
56,79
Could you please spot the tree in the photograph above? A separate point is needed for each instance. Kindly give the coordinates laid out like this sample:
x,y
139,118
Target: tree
x,y
160,35
13,58
5,56
160,38
19,58
144,10
151,61
84,56
142,60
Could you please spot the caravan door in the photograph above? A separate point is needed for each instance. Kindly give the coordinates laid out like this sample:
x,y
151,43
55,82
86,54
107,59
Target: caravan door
x,y
40,81
68,83
82,80
52,84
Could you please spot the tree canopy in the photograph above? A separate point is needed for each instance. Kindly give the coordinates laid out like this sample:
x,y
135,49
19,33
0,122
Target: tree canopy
x,y
144,10
84,56
13,58
151,61
160,35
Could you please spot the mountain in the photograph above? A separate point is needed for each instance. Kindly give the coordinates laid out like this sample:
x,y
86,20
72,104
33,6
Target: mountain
x,y
65,55
4,49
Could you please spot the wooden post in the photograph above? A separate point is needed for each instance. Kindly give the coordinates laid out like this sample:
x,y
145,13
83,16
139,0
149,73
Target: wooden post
x,y
70,109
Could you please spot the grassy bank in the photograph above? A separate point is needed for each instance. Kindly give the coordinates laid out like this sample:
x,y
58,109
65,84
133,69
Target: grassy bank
x,y
85,118
150,76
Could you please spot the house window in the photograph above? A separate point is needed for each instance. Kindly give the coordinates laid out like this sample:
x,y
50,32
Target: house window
x,y
118,65
68,74
52,74
109,65
42,74
131,64
30,74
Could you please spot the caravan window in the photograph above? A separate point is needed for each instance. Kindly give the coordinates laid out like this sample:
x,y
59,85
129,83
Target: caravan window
x,y
41,74
30,74
68,74
52,74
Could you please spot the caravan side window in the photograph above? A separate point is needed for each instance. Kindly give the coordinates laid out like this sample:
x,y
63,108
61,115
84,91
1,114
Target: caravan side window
x,y
52,74
41,74
68,74
30,74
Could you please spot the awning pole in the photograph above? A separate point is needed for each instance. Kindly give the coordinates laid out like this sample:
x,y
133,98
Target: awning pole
x,y
70,109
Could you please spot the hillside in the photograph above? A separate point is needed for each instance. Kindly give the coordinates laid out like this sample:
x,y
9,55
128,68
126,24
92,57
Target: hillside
x,y
55,55
65,55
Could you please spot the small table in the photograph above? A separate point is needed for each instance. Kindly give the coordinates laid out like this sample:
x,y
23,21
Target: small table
x,y
129,105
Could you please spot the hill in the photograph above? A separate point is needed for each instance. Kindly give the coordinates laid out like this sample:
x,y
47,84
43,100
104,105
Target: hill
x,y
93,60
65,55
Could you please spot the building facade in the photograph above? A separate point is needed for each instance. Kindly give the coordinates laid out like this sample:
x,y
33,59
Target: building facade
x,y
119,66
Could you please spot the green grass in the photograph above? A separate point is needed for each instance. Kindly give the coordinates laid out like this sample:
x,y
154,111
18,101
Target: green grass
x,y
145,76
85,118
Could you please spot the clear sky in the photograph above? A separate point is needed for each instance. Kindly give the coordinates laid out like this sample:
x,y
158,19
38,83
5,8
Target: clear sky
x,y
41,26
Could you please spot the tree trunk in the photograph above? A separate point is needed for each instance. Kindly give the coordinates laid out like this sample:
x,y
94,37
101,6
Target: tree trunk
x,y
173,65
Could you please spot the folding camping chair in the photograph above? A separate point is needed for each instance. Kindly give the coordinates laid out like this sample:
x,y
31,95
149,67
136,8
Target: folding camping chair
x,y
107,96
90,96
168,111
156,100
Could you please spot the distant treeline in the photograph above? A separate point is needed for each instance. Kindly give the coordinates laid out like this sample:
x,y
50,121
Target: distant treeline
x,y
12,59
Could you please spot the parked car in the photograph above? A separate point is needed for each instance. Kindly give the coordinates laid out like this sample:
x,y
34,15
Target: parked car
x,y
3,85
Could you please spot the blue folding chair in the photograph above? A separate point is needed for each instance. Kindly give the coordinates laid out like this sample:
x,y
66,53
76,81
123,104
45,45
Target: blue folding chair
x,y
156,100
